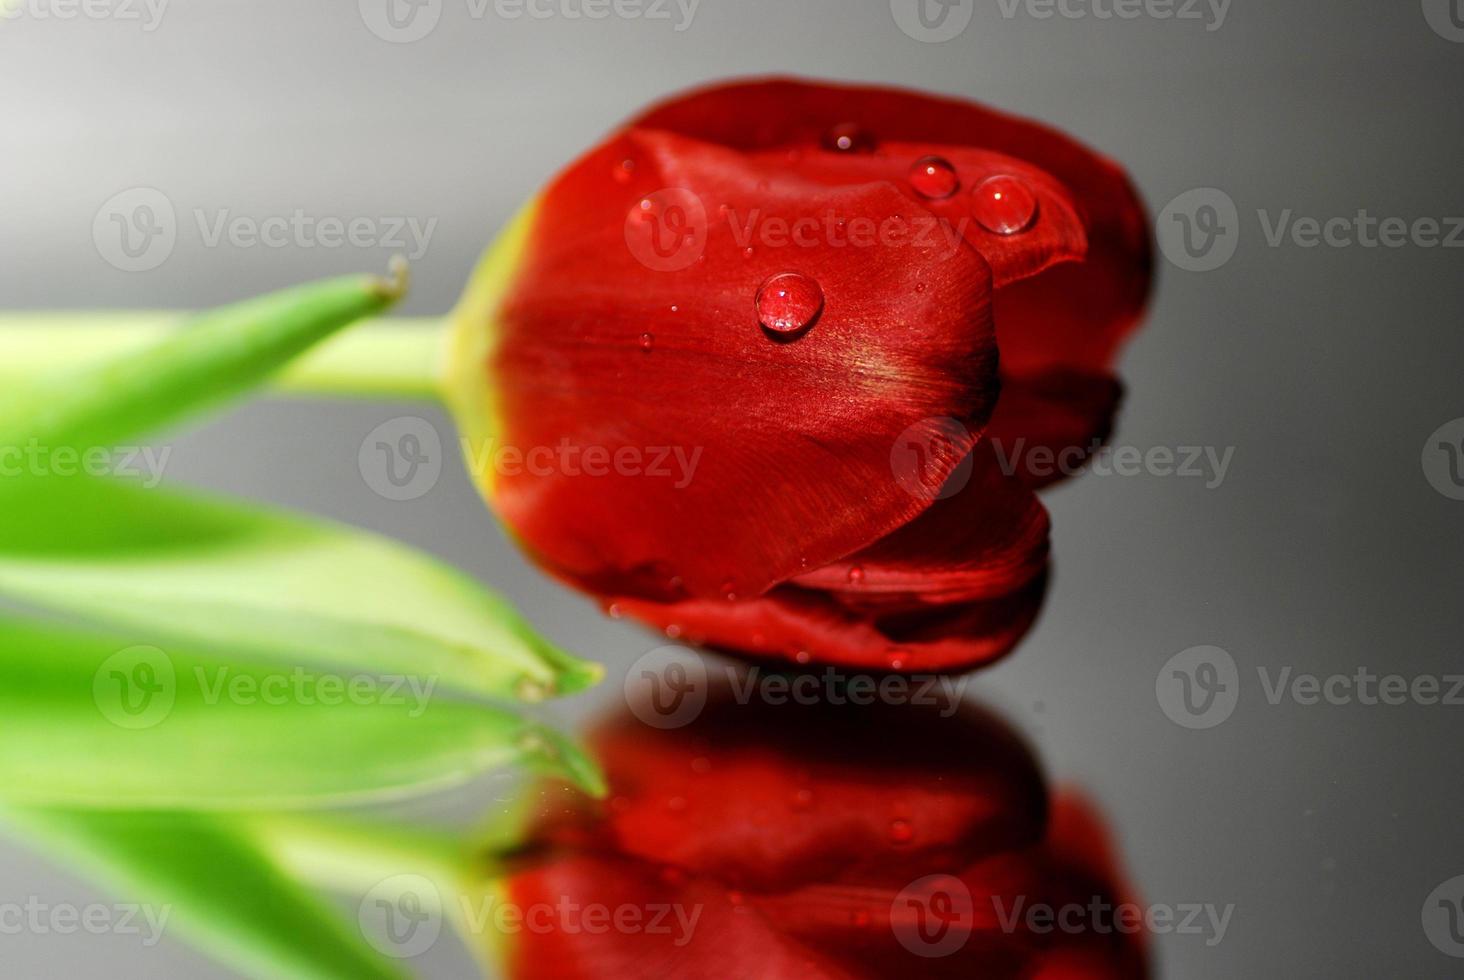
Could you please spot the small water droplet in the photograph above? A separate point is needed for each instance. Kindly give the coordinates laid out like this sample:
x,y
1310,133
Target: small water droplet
x,y
647,341
896,660
1004,205
673,631
920,287
789,303
901,832
803,656
729,590
675,308
856,574
748,252
849,138
934,178
614,611
623,171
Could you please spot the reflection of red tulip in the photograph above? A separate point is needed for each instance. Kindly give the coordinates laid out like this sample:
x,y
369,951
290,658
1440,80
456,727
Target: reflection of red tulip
x,y
802,290
816,842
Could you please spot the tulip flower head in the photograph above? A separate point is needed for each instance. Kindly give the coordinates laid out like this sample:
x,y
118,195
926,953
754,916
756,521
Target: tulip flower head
x,y
815,841
745,370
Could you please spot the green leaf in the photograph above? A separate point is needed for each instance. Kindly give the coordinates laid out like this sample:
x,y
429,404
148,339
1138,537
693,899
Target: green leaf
x,y
224,353
201,876
94,721
248,578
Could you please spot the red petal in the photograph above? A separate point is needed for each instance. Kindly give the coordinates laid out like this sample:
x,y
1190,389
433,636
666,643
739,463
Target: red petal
x,y
1056,232
800,626
768,797
1046,426
983,540
1074,316
792,439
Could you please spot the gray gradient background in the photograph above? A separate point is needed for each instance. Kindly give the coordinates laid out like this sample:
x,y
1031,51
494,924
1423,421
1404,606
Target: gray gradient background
x,y
1325,549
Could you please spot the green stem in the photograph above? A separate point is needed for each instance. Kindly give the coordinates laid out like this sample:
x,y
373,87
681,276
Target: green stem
x,y
397,357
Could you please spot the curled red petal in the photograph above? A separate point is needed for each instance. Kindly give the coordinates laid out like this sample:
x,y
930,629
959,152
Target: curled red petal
x,y
1047,425
1074,316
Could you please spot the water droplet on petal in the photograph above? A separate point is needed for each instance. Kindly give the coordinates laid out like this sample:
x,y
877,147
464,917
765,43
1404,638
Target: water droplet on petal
x,y
789,302
901,832
748,252
614,611
1004,205
623,171
673,631
934,177
803,656
647,341
729,590
849,138
856,574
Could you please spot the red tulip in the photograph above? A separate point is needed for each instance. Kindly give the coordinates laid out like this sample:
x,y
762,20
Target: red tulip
x,y
754,337
815,842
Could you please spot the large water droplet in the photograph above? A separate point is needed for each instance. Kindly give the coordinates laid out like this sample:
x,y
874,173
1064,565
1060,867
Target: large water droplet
x,y
849,138
934,177
789,303
1004,205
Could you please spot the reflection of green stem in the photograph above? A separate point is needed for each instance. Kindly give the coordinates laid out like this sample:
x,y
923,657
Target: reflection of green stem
x,y
399,357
